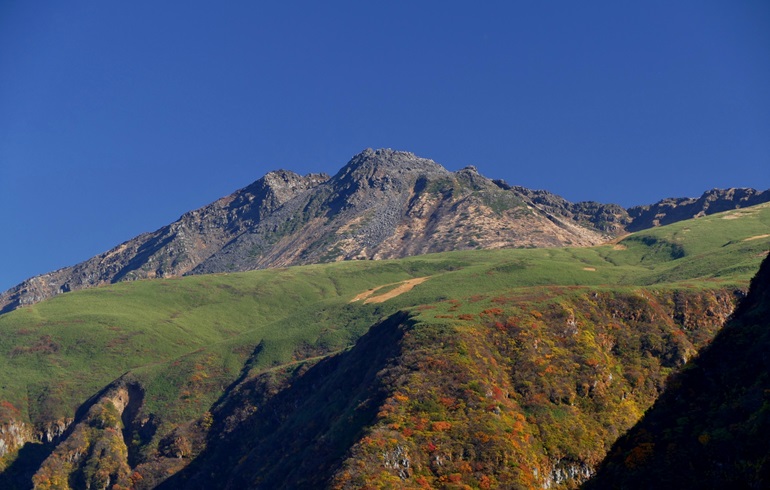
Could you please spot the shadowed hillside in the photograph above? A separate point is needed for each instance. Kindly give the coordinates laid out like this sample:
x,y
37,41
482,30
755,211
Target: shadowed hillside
x,y
710,428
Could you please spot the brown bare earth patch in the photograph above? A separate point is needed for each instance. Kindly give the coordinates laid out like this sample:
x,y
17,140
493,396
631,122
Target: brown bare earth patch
x,y
590,269
618,239
365,294
402,288
757,237
619,246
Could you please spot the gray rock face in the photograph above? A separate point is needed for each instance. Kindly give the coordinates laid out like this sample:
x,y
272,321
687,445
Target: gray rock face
x,y
609,218
390,204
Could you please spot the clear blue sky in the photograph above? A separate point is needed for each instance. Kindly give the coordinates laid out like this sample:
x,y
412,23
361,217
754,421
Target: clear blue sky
x,y
117,117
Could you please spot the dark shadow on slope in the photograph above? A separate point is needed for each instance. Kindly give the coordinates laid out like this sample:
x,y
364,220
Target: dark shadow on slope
x,y
147,250
128,417
656,249
709,429
18,476
292,430
10,307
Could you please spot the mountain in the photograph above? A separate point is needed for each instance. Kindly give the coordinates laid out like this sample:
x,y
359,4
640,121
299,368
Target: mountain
x,y
508,368
381,204
709,428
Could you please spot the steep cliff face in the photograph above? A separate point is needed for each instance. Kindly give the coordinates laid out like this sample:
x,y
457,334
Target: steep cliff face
x,y
677,209
531,394
95,452
709,428
24,446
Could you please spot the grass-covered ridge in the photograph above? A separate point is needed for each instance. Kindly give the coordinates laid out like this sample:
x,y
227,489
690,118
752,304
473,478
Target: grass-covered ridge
x,y
188,340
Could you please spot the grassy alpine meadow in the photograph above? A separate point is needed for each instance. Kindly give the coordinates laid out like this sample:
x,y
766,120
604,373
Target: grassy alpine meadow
x,y
188,339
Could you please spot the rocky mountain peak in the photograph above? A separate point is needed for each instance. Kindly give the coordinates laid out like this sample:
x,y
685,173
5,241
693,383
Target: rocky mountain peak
x,y
472,177
374,164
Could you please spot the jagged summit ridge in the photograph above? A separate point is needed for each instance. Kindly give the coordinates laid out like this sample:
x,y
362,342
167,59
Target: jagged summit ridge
x,y
388,160
383,170
390,204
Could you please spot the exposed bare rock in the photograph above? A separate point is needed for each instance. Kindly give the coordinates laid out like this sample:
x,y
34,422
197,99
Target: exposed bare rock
x,y
94,452
608,218
390,204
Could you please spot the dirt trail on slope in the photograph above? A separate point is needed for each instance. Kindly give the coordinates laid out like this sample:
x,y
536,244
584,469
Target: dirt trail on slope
x,y
403,287
757,237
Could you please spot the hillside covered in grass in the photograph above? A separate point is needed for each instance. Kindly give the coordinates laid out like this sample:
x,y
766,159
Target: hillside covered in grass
x,y
515,367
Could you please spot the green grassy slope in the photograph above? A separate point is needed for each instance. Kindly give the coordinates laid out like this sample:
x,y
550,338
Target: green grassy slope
x,y
186,340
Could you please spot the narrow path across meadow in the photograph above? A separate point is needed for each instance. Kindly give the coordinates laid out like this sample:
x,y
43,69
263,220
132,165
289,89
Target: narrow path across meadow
x,y
403,287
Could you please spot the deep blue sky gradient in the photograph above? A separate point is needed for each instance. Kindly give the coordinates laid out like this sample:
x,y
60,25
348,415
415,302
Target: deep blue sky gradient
x,y
117,117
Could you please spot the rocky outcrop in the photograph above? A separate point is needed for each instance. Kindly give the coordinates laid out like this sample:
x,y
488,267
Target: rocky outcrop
x,y
13,435
94,451
608,218
23,446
